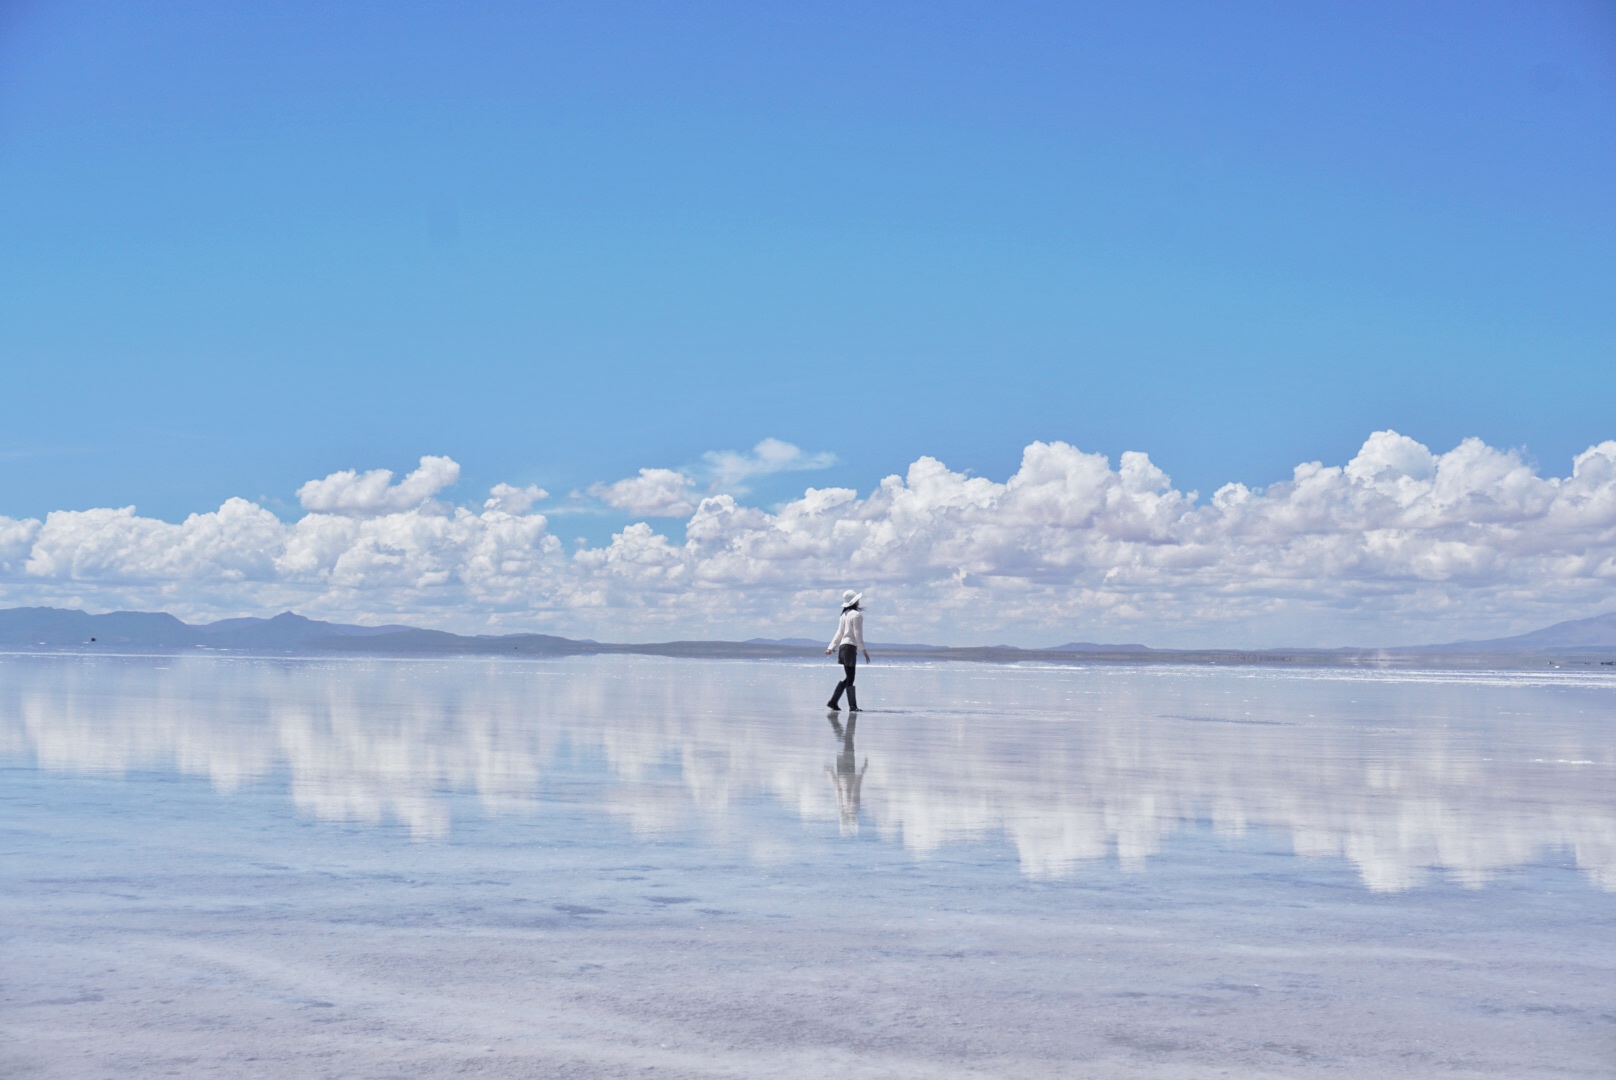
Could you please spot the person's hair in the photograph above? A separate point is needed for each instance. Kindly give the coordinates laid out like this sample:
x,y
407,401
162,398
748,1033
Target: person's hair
x,y
854,606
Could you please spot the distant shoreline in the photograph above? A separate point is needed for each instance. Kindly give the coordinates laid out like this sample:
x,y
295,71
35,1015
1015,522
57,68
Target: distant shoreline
x,y
1585,644
1369,660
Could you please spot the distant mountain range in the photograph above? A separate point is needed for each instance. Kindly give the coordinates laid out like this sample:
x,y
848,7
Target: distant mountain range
x,y
1586,641
58,628
1598,632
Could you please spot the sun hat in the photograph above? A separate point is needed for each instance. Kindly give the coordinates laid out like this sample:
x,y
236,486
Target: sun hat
x,y
849,598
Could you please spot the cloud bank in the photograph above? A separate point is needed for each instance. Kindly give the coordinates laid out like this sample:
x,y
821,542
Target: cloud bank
x,y
1399,544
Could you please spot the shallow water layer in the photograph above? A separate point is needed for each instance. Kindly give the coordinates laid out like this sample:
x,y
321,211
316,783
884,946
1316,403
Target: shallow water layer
x,y
620,866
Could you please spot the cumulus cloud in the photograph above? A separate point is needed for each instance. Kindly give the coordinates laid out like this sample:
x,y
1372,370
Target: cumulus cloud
x,y
653,493
16,543
513,500
373,492
671,492
235,543
732,470
1398,544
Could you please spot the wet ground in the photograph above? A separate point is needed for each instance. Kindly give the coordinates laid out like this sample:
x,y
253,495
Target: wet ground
x,y
636,867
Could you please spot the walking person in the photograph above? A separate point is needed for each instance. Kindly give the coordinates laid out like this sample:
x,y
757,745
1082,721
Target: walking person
x,y
847,644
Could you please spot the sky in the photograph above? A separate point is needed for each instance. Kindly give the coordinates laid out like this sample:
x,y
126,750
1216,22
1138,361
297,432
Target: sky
x,y
566,271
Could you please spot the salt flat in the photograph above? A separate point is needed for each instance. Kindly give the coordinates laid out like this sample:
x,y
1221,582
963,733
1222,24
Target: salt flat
x,y
620,866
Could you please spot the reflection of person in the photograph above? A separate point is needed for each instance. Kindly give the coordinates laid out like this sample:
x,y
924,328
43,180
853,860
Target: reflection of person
x,y
847,644
847,776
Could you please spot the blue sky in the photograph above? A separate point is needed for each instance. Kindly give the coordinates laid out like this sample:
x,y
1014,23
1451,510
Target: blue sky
x,y
243,246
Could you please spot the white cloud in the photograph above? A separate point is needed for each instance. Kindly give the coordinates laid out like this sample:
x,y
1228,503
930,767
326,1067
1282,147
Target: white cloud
x,y
671,492
232,544
1398,544
731,470
653,493
513,500
374,492
16,543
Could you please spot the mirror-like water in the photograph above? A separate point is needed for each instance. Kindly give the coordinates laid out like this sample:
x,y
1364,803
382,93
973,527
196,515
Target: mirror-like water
x,y
601,866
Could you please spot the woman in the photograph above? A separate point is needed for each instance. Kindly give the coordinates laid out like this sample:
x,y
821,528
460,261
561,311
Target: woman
x,y
847,644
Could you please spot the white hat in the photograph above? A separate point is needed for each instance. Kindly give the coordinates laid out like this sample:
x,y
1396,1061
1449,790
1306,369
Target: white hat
x,y
849,598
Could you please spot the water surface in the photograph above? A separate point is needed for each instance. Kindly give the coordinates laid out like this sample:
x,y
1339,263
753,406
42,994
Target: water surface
x,y
631,866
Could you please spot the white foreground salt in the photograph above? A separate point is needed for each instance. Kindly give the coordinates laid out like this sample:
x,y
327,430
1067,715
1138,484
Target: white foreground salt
x,y
641,867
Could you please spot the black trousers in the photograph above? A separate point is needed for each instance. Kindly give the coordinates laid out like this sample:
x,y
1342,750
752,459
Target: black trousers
x,y
847,656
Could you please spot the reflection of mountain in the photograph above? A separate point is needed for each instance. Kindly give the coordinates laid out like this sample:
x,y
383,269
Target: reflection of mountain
x,y
1401,775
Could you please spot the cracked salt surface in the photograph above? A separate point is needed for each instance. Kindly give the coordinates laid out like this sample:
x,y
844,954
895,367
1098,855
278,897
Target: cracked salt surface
x,y
637,867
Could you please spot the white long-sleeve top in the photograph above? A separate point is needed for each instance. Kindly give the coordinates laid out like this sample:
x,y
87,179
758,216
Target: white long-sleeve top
x,y
850,629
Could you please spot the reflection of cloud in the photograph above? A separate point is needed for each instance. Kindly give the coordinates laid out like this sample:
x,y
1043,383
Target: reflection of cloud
x,y
1468,776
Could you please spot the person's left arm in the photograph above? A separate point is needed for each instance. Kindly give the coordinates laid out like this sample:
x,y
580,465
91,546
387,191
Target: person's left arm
x,y
841,632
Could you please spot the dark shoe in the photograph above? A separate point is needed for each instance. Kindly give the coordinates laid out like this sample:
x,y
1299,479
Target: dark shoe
x,y
833,705
852,701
